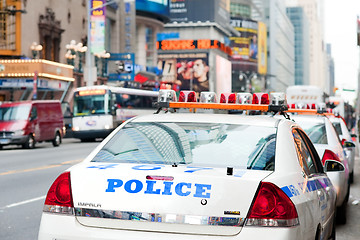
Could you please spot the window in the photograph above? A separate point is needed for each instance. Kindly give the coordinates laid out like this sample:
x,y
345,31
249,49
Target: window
x,y
149,35
198,144
316,131
308,158
337,127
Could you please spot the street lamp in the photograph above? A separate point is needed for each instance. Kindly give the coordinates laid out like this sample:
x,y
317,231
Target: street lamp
x,y
35,50
72,50
70,53
80,49
102,56
248,79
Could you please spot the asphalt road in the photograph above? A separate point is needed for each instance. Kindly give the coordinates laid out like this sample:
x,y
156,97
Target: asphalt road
x,y
351,230
26,175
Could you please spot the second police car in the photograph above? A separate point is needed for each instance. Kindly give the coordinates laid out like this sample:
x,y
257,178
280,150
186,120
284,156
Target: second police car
x,y
196,176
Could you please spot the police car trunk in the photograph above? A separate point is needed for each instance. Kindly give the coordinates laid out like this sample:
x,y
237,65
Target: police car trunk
x,y
174,173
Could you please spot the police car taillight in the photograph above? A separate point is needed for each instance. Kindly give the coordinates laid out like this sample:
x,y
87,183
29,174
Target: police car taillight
x,y
167,96
59,197
244,98
329,155
260,98
227,98
187,96
208,97
272,208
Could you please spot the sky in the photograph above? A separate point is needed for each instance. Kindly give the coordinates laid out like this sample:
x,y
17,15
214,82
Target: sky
x,y
340,30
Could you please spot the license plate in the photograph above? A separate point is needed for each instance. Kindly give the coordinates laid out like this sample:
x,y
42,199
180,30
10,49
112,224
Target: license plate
x,y
4,141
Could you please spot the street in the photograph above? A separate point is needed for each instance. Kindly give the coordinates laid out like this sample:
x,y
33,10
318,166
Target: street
x,y
26,176
351,230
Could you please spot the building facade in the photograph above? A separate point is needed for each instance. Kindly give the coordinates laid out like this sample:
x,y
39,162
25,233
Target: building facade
x,y
193,50
57,31
281,59
301,31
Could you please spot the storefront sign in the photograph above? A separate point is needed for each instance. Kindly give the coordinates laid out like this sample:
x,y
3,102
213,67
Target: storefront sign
x,y
193,44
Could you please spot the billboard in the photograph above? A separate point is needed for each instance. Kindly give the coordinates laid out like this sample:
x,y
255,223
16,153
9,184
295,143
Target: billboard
x,y
97,27
250,48
262,47
244,47
200,10
155,7
190,71
223,75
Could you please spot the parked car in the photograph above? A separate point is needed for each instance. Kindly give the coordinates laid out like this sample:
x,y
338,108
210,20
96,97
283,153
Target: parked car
x,y
325,139
196,176
351,148
27,122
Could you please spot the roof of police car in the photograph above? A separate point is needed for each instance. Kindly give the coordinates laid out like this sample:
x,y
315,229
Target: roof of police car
x,y
255,120
313,118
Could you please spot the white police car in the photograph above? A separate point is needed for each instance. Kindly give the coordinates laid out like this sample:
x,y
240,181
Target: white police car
x,y
324,137
196,176
351,147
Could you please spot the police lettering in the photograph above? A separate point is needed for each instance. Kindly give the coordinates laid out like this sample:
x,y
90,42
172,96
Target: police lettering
x,y
160,187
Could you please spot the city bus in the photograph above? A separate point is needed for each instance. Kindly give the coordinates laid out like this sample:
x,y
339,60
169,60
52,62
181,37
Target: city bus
x,y
97,110
305,95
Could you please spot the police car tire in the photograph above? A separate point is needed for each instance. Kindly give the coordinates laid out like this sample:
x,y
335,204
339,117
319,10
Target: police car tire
x,y
341,213
333,231
351,178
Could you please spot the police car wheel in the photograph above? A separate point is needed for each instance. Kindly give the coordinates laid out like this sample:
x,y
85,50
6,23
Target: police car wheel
x,y
333,231
341,213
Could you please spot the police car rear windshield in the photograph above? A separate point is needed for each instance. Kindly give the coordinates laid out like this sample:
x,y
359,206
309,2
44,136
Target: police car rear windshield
x,y
316,131
203,144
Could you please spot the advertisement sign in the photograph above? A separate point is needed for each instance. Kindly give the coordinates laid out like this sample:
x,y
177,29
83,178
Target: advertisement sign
x,y
245,47
97,18
223,75
200,10
190,44
262,46
157,7
188,70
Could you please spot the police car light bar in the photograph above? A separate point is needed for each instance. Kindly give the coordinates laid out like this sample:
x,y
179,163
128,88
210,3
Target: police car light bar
x,y
228,101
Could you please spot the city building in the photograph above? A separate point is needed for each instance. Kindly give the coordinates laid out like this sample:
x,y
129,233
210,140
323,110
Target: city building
x,y
317,61
301,30
330,72
55,33
281,59
193,49
249,57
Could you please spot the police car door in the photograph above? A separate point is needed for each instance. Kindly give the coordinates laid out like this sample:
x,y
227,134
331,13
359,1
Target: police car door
x,y
315,180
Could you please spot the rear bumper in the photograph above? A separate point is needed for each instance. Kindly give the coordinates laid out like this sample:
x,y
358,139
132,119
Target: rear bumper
x,y
54,226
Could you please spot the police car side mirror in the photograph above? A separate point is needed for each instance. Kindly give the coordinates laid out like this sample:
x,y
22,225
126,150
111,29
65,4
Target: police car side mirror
x,y
333,166
349,144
